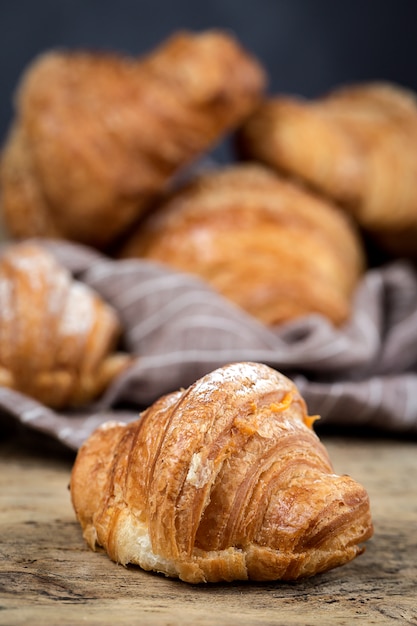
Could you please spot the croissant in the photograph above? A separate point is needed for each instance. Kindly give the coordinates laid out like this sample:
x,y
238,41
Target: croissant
x,y
223,481
275,250
356,146
97,136
56,335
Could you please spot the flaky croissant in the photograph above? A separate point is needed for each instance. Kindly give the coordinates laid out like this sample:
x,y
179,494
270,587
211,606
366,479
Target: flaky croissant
x,y
272,248
357,145
223,481
97,136
57,336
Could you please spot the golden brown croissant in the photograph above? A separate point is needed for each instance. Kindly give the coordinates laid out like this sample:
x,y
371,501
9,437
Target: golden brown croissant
x,y
274,249
97,136
356,145
56,335
223,481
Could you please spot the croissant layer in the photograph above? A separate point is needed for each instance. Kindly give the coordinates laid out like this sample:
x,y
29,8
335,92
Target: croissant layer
x,y
223,481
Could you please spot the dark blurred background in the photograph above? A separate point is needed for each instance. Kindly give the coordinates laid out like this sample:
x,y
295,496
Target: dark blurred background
x,y
307,46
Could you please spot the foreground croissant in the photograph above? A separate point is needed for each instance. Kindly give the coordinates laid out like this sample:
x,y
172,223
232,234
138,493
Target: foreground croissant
x,y
357,145
57,336
97,136
223,481
274,249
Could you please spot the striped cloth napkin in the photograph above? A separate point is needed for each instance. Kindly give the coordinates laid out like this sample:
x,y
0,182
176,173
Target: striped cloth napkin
x,y
363,375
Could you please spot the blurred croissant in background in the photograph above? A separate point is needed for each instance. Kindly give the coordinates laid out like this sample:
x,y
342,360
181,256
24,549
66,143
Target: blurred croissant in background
x,y
57,336
223,481
357,146
101,147
274,249
97,136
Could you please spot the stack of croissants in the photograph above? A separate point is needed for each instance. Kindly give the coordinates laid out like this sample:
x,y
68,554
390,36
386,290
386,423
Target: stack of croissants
x,y
225,480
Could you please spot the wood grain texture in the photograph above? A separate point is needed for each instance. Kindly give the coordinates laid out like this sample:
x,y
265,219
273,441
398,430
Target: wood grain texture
x,y
49,576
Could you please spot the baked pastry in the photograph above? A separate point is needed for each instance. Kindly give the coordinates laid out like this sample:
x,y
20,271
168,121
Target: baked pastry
x,y
97,136
223,481
272,248
356,145
57,336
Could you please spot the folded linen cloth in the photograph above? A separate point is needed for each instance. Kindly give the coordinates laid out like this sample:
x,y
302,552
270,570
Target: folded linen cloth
x,y
361,375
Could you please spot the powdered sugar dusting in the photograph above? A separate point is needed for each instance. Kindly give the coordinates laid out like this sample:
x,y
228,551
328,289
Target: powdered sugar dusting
x,y
247,378
109,424
78,315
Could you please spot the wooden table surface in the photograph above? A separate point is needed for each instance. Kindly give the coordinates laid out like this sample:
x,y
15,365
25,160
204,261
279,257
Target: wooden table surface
x,y
49,576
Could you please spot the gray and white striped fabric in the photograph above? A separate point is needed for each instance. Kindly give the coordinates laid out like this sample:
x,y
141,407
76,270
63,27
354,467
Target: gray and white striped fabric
x,y
178,329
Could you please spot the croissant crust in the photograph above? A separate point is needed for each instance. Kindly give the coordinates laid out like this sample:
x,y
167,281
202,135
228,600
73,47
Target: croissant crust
x,y
222,481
